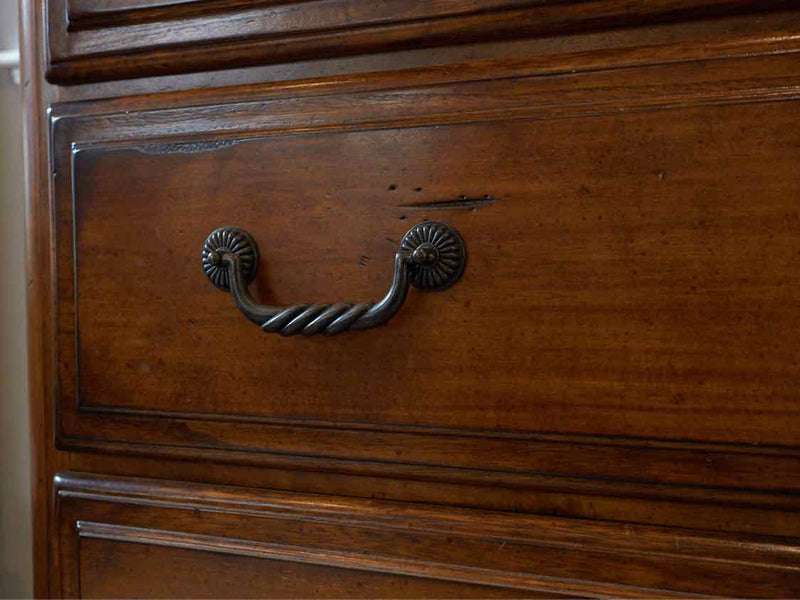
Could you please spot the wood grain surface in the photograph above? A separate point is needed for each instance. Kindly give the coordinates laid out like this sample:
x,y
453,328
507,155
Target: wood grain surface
x,y
114,531
98,41
615,287
604,406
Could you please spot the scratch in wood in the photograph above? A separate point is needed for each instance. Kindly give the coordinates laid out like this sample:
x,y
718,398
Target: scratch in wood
x,y
462,202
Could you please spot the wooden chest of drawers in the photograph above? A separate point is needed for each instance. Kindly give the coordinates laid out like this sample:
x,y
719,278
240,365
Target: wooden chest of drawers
x,y
581,381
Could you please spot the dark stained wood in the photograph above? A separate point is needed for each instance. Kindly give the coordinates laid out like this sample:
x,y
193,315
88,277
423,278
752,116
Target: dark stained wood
x,y
742,511
206,574
635,435
180,41
626,214
722,36
41,375
529,554
93,14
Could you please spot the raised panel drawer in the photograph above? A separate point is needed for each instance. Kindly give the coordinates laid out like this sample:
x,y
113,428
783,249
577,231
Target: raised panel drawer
x,y
625,321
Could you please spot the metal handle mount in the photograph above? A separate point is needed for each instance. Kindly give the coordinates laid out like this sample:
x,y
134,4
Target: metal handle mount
x,y
431,257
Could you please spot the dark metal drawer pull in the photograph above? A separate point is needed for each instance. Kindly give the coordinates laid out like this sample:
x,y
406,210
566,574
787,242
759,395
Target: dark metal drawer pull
x,y
431,257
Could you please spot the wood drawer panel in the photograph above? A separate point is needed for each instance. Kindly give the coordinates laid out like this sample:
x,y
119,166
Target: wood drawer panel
x,y
622,284
98,40
112,529
601,298
112,569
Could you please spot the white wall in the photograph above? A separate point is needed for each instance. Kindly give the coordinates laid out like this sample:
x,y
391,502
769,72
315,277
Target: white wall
x,y
15,519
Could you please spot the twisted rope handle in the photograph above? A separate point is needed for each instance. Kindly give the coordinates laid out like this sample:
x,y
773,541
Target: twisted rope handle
x,y
431,257
309,319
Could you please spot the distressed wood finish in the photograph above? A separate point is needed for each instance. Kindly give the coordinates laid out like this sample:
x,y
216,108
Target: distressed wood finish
x,y
605,404
104,520
328,183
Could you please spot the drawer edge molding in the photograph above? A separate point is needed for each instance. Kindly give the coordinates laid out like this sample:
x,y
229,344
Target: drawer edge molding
x,y
92,49
416,540
379,564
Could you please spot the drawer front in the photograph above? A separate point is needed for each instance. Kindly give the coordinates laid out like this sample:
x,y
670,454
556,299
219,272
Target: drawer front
x,y
628,309
100,40
108,565
149,538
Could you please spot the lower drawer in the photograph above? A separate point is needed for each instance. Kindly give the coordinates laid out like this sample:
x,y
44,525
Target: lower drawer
x,y
111,568
151,538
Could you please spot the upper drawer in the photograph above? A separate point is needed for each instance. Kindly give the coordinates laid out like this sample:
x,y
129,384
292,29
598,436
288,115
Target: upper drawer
x,y
97,40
